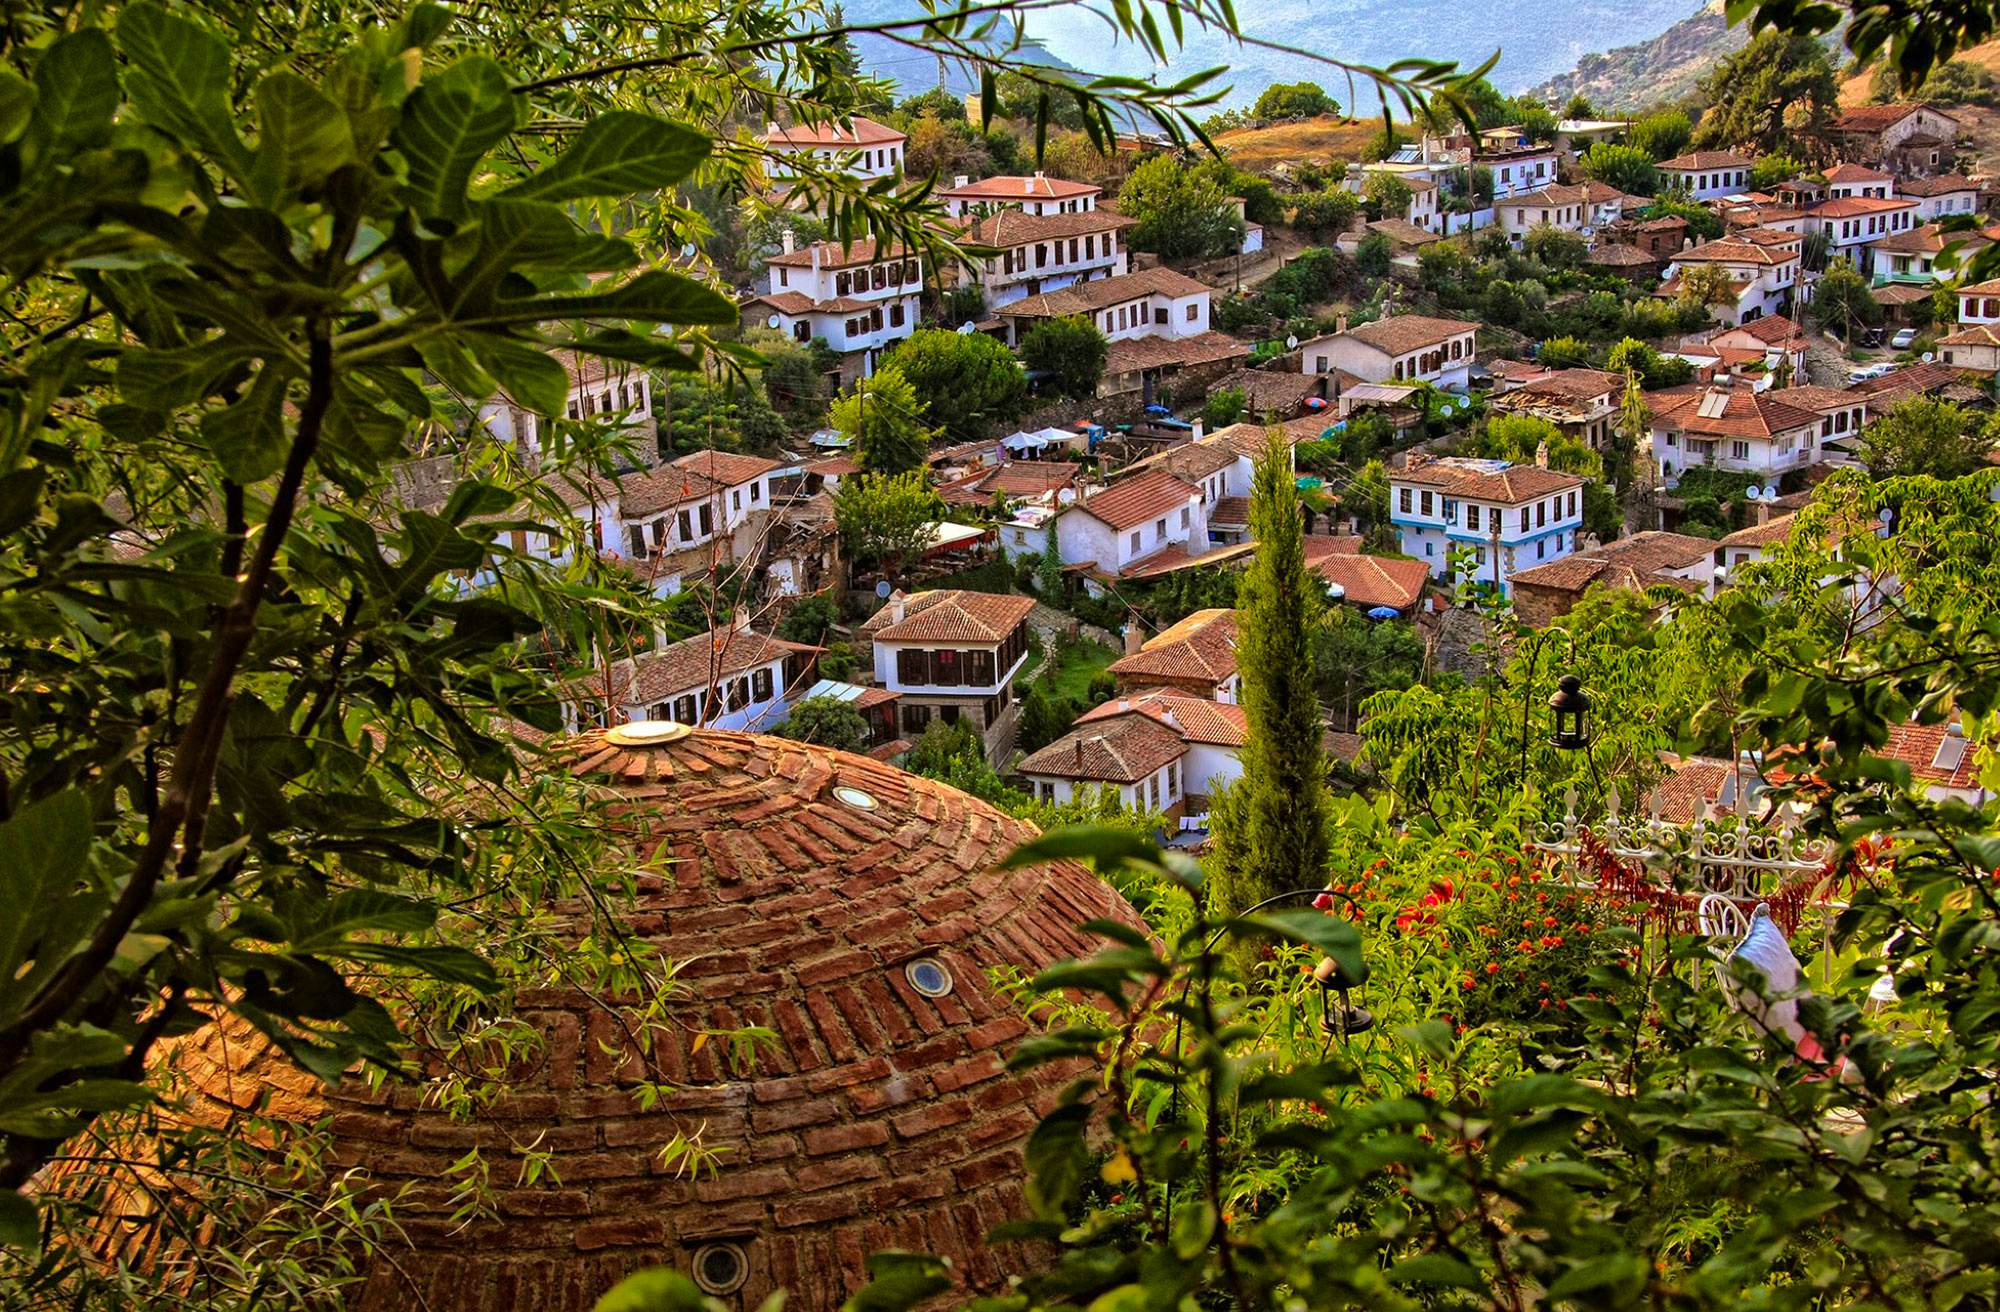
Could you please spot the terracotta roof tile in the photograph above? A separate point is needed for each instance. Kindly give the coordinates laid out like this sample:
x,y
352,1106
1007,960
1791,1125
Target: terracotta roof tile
x,y
1135,354
1509,486
864,132
1370,581
1402,333
1942,185
956,615
1847,207
1775,529
1140,500
1707,159
1015,187
1013,227
1230,512
832,255
1201,647
1194,719
1122,749
695,663
1097,293
1726,412
1855,173
728,468
1876,118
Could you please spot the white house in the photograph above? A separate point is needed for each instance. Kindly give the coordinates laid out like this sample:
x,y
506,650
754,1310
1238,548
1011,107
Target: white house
x,y
1974,347
1914,256
1567,208
1762,264
1046,252
1942,196
1842,415
1845,180
702,502
950,655
728,678
1748,545
865,149
604,391
1511,517
1039,195
1756,347
1160,750
1132,521
860,299
1195,655
1707,174
1401,348
1518,170
1907,139
1979,302
1156,302
1851,223
1736,428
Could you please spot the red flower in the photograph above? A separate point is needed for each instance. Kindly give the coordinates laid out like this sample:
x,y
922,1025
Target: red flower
x,y
1513,881
1493,968
1548,922
1324,902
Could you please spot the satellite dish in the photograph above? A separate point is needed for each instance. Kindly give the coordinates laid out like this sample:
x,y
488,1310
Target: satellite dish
x,y
1770,492
1292,342
965,328
882,589
687,251
772,322
1929,357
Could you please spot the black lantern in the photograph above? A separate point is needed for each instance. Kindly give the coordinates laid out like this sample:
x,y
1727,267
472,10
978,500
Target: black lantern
x,y
1570,707
1339,1016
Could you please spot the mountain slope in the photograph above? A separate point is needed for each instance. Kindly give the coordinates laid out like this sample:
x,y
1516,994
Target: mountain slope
x,y
1656,71
1535,39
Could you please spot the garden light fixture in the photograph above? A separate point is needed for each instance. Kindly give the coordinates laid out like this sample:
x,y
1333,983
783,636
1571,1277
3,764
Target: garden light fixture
x,y
1570,706
1345,1018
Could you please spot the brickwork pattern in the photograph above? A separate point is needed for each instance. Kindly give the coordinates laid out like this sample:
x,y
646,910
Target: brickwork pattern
x,y
883,1119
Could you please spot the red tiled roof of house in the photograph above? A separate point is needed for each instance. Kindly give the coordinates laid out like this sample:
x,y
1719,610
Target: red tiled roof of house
x,y
833,467
832,255
1015,187
1619,255
864,132
1192,461
1942,185
1136,354
1935,753
1199,647
1368,581
1855,173
1977,334
1123,749
1847,207
1029,478
793,907
953,615
1707,159
1877,118
1195,719
1400,334
1931,239
1230,512
1771,329
1775,529
1402,232
696,663
1247,439
1910,380
1577,384
1733,250
729,468
1725,412
1140,500
1509,486
1097,293
1012,227
654,490
1819,400
1690,783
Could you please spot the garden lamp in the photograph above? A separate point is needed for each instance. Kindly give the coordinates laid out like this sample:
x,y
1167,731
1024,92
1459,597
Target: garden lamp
x,y
1345,1018
1570,706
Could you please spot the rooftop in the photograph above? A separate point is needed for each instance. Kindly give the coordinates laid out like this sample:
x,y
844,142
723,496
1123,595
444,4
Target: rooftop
x,y
862,132
1134,501
1098,293
1402,333
1200,646
1015,187
1487,480
1707,159
697,663
950,615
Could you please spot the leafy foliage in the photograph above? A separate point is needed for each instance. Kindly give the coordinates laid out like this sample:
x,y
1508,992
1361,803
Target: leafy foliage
x,y
1294,100
1920,435
1070,352
883,419
968,382
828,721
885,519
1628,168
1180,214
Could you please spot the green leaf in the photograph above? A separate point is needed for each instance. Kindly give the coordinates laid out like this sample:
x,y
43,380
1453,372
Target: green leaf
x,y
452,965
448,124
248,438
617,154
76,90
303,136
655,297
178,76
1613,1270
898,1281
42,848
1435,1269
1335,937
656,1289
528,373
20,1227
361,910
168,380
17,105
1103,845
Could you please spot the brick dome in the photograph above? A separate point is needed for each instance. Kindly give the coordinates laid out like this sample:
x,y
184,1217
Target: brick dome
x,y
851,908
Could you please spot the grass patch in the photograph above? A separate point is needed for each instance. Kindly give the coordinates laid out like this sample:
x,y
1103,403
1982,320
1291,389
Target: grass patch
x,y
1072,669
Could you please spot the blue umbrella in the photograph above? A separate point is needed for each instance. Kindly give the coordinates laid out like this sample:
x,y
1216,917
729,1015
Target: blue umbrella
x,y
1157,409
1383,613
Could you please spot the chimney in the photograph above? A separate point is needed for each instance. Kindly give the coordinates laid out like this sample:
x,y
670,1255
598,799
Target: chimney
x,y
771,127
1135,638
1542,456
814,249
788,241
899,608
1763,511
740,619
1340,324
1197,430
961,181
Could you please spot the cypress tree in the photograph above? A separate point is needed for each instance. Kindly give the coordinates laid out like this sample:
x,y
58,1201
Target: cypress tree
x,y
1279,806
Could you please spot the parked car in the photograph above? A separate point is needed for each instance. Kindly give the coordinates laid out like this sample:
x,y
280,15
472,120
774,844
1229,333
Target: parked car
x,y
1872,337
1904,339
1867,372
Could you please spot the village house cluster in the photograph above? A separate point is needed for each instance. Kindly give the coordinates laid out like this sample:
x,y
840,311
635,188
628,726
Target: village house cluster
x,y
1134,487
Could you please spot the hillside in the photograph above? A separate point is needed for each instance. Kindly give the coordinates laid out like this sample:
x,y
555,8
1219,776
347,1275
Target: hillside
x,y
1661,69
1322,137
1538,39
